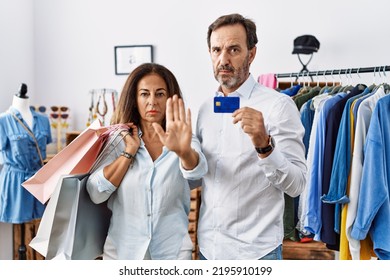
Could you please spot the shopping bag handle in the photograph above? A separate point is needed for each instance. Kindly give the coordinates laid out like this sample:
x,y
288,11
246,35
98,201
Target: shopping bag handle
x,y
116,130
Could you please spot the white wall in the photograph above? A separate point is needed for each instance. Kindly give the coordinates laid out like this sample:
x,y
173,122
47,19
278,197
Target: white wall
x,y
74,41
16,48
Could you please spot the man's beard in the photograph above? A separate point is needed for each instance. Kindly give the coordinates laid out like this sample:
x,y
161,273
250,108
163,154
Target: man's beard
x,y
238,75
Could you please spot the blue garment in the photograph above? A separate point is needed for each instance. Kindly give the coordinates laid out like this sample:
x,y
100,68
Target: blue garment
x,y
313,221
328,235
20,160
341,164
373,211
292,91
307,117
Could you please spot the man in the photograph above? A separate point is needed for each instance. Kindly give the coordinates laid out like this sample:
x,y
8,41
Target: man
x,y
255,154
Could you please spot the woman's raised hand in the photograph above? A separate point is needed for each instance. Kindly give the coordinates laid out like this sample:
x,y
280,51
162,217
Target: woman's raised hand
x,y
178,133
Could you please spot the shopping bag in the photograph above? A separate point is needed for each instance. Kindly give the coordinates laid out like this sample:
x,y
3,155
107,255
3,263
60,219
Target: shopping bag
x,y
72,226
75,158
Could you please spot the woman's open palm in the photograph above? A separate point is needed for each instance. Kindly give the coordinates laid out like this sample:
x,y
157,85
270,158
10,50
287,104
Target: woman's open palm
x,y
178,134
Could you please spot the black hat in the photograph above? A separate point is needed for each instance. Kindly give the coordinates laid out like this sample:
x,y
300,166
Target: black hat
x,y
306,44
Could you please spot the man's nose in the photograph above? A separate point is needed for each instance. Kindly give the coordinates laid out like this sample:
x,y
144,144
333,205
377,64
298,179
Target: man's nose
x,y
224,58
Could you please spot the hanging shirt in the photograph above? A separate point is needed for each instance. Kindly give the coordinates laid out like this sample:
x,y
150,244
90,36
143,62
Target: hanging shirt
x,y
268,80
151,205
363,119
20,159
341,163
316,104
241,214
328,235
313,220
373,210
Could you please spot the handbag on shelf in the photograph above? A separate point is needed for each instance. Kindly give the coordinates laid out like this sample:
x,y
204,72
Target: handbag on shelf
x,y
72,226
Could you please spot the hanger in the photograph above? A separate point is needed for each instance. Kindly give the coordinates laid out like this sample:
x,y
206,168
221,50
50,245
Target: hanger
x,y
340,80
373,87
349,86
386,86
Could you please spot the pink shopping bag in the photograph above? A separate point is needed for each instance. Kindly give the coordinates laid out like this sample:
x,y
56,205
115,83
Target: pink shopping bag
x,y
75,158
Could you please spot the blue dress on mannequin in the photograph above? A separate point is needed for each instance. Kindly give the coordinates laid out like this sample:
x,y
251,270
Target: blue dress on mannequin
x,y
20,160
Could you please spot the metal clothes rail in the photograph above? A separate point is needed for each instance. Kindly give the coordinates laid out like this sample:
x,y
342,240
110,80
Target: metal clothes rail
x,y
347,71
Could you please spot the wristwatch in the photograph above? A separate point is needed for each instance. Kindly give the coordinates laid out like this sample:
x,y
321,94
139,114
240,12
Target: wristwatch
x,y
270,147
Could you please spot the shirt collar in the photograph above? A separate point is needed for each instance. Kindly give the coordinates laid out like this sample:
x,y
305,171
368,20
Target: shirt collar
x,y
19,115
245,90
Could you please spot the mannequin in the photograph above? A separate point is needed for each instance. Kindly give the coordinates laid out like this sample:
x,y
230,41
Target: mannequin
x,y
24,135
21,103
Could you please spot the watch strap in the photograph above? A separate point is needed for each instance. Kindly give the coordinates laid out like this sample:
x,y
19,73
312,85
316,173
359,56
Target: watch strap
x,y
264,150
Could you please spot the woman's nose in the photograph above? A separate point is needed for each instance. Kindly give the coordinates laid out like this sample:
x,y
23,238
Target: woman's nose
x,y
152,100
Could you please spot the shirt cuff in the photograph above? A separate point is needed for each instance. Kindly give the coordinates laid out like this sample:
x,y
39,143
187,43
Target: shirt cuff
x,y
103,185
198,172
274,161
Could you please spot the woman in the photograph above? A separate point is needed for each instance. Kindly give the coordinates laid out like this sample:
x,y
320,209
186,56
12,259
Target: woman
x,y
144,177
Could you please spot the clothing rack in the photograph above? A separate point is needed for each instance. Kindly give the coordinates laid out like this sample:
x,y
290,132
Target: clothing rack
x,y
377,69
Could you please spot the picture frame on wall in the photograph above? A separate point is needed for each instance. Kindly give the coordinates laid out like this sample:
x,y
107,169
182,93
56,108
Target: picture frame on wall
x,y
127,58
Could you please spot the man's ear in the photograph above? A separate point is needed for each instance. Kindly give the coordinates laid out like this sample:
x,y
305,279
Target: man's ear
x,y
252,54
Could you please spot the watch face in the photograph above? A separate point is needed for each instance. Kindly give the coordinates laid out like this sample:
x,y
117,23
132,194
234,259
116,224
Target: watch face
x,y
272,142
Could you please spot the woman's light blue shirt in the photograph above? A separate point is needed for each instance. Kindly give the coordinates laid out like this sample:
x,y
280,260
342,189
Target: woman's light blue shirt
x,y
151,205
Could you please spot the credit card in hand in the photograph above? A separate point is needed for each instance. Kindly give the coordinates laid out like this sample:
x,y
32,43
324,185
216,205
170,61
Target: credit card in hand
x,y
226,104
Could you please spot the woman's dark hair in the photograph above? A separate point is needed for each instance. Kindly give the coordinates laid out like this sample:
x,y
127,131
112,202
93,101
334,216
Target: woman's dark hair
x,y
126,110
249,25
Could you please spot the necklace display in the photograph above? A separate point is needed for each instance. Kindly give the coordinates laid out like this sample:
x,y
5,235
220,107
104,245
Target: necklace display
x,y
101,108
102,113
92,113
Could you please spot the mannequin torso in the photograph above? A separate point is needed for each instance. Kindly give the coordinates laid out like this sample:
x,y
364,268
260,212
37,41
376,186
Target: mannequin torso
x,y
23,106
22,152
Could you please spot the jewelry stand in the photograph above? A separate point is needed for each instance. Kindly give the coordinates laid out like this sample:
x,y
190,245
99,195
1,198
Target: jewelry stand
x,y
101,108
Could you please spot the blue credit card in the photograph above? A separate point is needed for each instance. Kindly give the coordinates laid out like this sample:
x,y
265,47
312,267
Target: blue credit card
x,y
226,104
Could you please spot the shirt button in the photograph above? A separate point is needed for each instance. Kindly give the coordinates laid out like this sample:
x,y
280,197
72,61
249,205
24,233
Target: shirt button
x,y
149,215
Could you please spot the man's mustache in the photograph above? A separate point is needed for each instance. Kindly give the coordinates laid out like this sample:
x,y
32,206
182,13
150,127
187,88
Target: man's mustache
x,y
226,67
